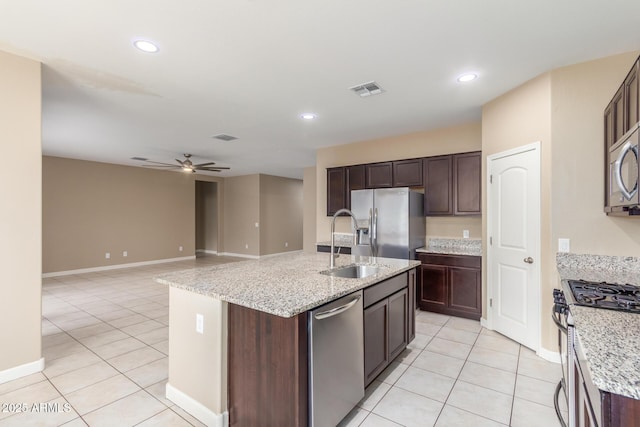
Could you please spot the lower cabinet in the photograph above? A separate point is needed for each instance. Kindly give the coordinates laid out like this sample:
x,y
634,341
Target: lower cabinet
x,y
451,284
388,322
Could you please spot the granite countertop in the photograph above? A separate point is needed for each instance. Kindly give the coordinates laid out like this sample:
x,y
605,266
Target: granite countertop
x,y
610,339
343,240
284,285
469,247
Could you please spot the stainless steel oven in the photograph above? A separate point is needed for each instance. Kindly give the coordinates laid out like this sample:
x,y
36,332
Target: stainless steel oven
x,y
623,173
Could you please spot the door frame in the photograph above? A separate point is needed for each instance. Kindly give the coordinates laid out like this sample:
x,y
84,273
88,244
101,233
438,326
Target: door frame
x,y
536,147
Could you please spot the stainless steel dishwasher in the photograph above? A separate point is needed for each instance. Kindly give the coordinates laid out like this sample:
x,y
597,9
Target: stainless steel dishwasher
x,y
336,360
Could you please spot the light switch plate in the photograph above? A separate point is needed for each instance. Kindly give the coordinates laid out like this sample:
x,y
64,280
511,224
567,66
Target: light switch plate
x,y
564,245
465,234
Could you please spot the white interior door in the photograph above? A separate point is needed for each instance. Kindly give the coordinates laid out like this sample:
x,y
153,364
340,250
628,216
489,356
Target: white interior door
x,y
513,262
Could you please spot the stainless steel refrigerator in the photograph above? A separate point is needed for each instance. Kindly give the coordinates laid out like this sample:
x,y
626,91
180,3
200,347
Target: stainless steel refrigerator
x,y
391,222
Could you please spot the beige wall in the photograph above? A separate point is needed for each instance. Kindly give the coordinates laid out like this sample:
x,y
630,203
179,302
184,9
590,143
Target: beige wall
x,y
564,110
198,362
91,208
206,216
309,209
281,211
458,139
518,118
242,212
20,216
580,93
274,203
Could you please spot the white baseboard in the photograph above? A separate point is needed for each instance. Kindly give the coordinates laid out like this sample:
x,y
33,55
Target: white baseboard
x,y
484,323
551,356
115,267
21,371
239,255
206,251
197,409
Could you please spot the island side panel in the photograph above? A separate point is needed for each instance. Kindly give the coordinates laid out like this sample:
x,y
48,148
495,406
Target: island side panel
x,y
268,369
198,361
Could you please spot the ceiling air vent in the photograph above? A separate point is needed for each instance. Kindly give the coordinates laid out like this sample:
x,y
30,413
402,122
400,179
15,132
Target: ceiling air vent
x,y
224,137
367,89
142,159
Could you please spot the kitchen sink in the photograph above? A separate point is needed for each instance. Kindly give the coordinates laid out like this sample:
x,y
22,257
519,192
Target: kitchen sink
x,y
352,271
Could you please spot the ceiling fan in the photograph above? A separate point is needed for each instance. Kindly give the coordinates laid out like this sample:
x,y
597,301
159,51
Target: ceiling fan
x,y
187,165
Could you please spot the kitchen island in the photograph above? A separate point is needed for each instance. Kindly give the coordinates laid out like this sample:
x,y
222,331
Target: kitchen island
x,y
249,364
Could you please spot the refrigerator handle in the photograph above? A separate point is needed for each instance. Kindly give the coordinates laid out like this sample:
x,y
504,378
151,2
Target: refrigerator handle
x,y
374,233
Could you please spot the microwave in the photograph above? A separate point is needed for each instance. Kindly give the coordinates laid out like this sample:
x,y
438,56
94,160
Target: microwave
x,y
623,175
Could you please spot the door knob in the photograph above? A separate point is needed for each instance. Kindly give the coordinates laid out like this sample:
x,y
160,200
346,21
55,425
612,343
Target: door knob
x,y
528,260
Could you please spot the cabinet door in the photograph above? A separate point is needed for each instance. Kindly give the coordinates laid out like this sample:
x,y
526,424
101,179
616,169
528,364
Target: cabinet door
x,y
465,292
631,98
398,326
335,190
407,173
379,175
608,127
618,114
467,180
355,181
411,307
433,288
376,349
438,186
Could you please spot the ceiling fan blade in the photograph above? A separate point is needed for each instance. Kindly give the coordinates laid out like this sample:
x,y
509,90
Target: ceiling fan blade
x,y
161,166
181,162
204,164
213,167
160,163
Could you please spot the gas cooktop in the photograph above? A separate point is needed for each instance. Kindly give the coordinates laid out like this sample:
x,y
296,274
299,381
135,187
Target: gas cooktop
x,y
612,296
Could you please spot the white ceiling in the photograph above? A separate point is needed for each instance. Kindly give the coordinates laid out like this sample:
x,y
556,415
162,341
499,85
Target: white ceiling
x,y
249,68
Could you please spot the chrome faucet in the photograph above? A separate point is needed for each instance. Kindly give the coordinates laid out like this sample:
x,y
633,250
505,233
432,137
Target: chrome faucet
x,y
354,223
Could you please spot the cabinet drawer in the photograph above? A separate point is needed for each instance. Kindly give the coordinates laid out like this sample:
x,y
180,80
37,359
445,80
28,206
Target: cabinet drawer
x,y
451,260
375,293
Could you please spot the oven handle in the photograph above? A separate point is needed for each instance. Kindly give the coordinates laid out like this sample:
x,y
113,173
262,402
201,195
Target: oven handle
x,y
556,403
557,321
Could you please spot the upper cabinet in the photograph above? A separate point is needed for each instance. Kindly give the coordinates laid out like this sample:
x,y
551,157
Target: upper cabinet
x,y
466,181
379,175
438,189
630,87
452,184
407,173
336,198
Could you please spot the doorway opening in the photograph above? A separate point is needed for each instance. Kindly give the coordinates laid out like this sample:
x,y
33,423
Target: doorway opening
x,y
206,218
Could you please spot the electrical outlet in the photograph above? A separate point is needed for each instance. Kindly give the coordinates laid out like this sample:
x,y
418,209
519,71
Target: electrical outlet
x,y
107,255
180,248
199,323
124,253
257,225
246,246
286,244
564,245
465,234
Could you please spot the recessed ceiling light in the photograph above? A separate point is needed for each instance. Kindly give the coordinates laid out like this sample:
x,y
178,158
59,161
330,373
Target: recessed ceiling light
x,y
467,77
308,116
146,46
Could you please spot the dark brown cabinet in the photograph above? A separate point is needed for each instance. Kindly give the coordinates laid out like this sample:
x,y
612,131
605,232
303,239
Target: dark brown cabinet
x,y
630,109
466,182
452,184
379,175
355,181
617,106
438,187
451,284
388,317
407,173
336,198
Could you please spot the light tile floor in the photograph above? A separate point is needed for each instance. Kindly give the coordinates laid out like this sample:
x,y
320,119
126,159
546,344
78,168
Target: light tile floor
x,y
105,342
